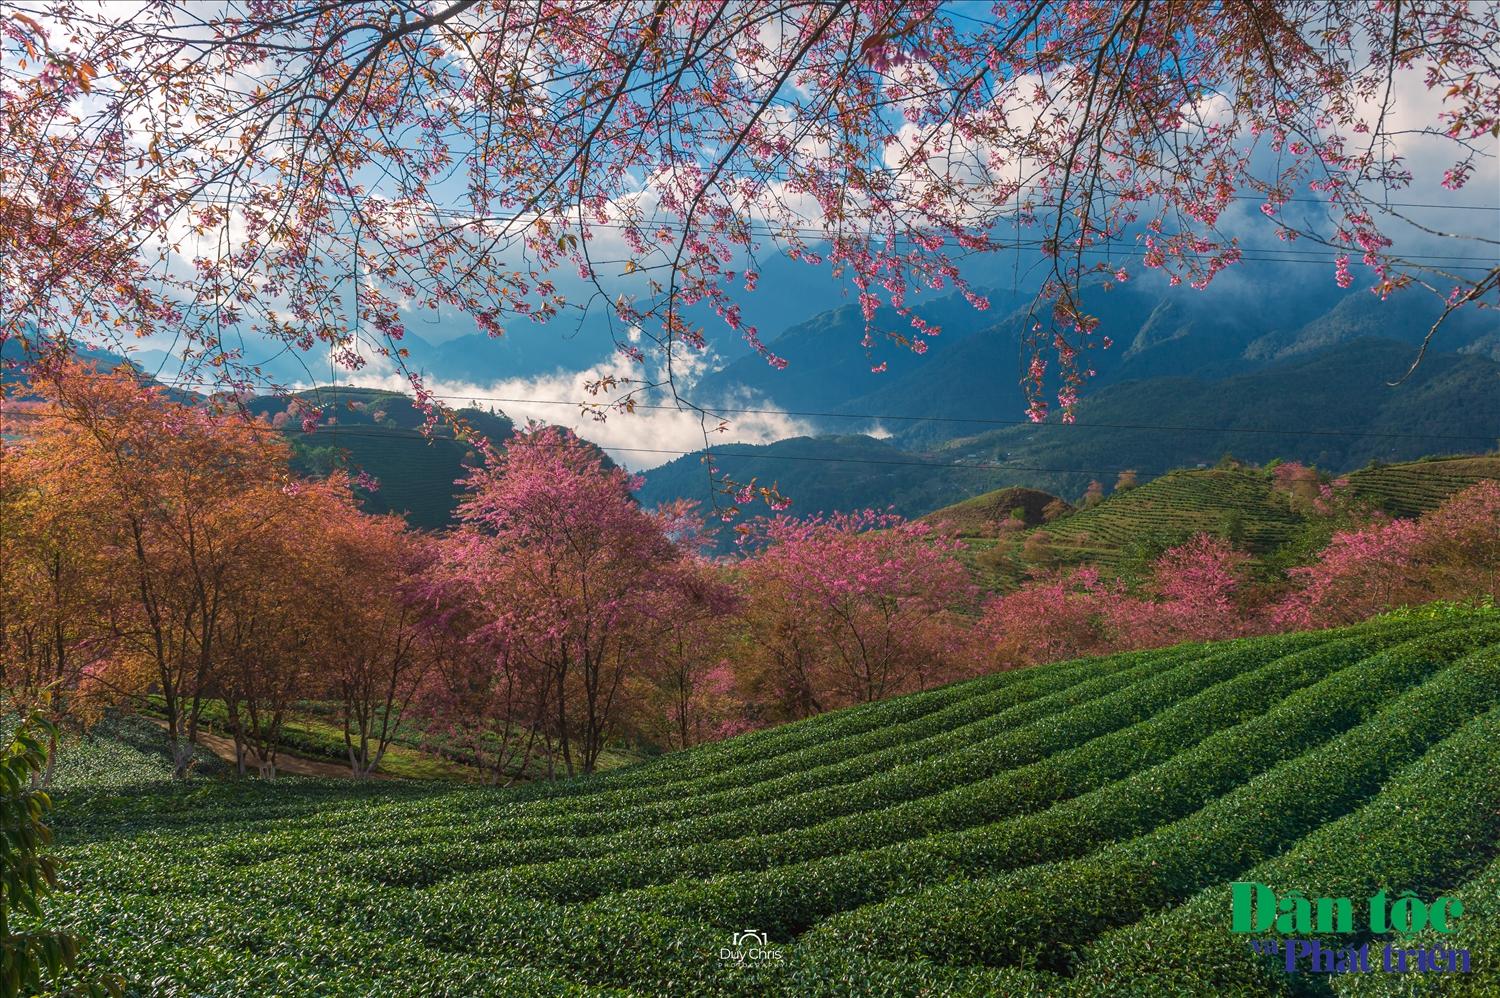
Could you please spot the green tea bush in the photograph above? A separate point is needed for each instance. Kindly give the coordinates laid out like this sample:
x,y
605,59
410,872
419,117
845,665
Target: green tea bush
x,y
1417,834
31,957
1478,933
1012,790
789,898
1039,916
1046,832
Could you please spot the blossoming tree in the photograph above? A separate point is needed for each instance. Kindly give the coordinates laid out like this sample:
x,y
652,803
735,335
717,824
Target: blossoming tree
x,y
851,607
568,575
313,173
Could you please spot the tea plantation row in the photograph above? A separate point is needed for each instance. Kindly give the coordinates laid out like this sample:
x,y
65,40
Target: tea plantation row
x,y
1420,486
1069,829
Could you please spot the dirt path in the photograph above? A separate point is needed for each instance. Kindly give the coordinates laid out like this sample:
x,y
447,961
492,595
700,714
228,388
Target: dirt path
x,y
286,763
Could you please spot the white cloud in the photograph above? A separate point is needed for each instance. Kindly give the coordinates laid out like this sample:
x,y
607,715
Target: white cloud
x,y
655,433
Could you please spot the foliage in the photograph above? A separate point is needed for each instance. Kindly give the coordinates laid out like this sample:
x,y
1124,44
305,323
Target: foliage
x,y
571,584
372,654
1413,489
122,751
1452,552
381,434
172,500
1282,520
169,553
921,128
982,515
1193,593
51,644
688,692
1124,792
849,608
30,958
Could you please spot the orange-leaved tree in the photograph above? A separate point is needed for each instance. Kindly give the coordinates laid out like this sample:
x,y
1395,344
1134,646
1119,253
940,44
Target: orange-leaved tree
x,y
177,496
54,634
371,649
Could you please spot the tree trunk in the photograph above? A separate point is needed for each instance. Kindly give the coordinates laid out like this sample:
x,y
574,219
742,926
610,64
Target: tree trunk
x,y
182,758
51,767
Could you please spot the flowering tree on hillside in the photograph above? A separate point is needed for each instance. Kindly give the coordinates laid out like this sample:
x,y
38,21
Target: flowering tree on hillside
x,y
1299,482
475,698
1461,543
1194,586
273,639
1058,616
686,691
370,655
1452,552
851,607
310,172
54,635
1360,573
566,570
1192,595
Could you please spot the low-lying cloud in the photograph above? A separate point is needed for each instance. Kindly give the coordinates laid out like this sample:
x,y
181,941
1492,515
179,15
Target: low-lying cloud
x,y
656,432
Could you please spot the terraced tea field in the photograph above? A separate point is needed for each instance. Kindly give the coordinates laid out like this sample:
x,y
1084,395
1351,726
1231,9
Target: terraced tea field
x,y
1242,505
1064,830
1180,502
1148,518
1413,489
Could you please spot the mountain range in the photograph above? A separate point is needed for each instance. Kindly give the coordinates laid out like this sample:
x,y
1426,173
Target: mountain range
x,y
1191,377
1287,372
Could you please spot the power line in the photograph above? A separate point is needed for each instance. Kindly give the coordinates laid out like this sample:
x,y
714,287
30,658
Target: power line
x,y
877,417
1263,255
717,454
466,211
715,410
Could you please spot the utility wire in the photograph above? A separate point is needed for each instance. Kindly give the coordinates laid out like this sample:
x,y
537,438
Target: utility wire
x,y
467,211
1254,255
387,435
716,452
604,404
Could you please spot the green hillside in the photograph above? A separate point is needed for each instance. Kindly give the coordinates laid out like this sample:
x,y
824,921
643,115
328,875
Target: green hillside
x,y
380,433
1130,528
1067,829
1333,408
1413,489
1239,504
984,514
823,474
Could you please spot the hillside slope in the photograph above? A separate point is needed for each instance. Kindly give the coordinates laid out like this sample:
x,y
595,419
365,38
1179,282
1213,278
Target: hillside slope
x,y
985,514
379,433
1413,488
974,368
979,839
1129,528
1331,407
1240,505
822,474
